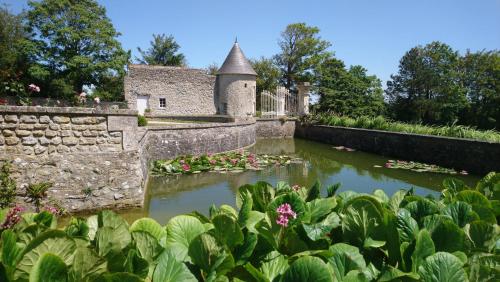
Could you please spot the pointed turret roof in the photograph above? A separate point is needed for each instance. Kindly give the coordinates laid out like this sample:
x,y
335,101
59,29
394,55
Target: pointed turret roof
x,y
236,63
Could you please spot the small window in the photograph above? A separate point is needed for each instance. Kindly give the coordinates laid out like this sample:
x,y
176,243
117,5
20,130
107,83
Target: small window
x,y
245,85
163,103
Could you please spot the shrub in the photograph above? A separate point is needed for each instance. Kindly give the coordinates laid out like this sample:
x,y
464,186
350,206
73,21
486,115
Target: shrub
x,y
142,121
7,186
282,233
380,123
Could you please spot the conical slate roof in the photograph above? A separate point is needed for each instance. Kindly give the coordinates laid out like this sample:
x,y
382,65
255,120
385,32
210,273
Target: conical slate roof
x,y
236,63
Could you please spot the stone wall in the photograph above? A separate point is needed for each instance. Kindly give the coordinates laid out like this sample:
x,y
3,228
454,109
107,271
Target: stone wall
x,y
474,156
168,142
187,91
275,128
90,156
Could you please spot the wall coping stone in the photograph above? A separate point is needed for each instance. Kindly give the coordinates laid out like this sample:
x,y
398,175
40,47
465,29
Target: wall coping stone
x,y
198,125
406,133
67,110
277,119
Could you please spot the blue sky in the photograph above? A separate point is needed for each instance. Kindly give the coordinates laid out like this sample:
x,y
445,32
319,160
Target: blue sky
x,y
374,34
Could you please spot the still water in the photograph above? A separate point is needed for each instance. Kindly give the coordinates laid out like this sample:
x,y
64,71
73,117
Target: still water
x,y
172,195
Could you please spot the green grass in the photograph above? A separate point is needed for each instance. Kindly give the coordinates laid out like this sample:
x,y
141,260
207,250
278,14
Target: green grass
x,y
380,123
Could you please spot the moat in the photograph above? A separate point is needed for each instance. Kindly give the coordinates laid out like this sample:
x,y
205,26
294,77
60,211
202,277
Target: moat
x,y
168,196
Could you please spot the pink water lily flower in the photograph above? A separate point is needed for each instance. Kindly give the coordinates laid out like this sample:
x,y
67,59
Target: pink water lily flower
x,y
186,167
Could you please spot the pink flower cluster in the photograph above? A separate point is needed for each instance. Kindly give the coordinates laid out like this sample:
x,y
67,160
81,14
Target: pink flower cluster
x,y
33,88
212,162
285,212
296,187
52,210
12,218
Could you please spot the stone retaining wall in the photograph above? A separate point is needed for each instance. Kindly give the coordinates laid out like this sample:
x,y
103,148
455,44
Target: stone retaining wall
x,y
474,156
275,128
90,156
168,142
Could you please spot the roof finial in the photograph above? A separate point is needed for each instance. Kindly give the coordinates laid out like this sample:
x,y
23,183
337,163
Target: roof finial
x,y
236,39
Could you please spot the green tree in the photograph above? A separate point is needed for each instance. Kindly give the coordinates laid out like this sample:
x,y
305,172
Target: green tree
x,y
302,49
350,91
268,74
76,44
426,87
481,79
163,51
14,60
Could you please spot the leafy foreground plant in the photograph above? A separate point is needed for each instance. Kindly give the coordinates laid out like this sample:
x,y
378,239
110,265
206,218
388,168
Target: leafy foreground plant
x,y
279,233
232,161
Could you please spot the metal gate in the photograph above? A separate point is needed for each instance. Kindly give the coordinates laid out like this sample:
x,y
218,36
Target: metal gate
x,y
278,103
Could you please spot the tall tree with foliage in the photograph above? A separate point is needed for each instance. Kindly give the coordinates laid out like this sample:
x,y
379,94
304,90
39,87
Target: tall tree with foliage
x,y
302,49
14,60
350,91
76,44
268,74
164,51
481,79
426,88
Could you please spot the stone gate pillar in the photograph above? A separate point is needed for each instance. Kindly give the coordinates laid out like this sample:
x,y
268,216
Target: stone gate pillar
x,y
303,96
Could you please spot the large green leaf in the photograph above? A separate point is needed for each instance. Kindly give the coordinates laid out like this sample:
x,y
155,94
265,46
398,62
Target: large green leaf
x,y
109,239
207,254
136,265
442,267
308,269
147,245
150,226
181,230
262,194
49,268
273,265
246,208
345,258
421,208
358,225
244,251
314,191
485,213
461,213
490,185
381,196
93,224
454,185
320,208
482,234
87,265
473,198
11,250
118,277
321,229
53,241
424,247
406,225
108,218
77,227
448,237
396,200
390,273
227,230
169,269
484,267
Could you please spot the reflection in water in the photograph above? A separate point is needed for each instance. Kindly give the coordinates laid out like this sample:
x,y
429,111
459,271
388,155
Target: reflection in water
x,y
172,195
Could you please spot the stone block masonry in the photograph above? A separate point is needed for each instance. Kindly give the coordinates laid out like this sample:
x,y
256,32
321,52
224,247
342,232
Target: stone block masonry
x,y
90,156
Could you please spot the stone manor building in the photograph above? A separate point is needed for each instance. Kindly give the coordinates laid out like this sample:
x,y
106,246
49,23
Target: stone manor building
x,y
178,91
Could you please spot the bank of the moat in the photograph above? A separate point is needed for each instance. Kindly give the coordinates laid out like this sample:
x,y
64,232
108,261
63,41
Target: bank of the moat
x,y
100,158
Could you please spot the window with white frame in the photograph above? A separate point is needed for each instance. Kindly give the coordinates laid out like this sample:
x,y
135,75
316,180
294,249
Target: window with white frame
x,y
163,103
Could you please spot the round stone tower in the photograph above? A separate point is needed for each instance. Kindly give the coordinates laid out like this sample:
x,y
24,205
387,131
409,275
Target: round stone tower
x,y
236,86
